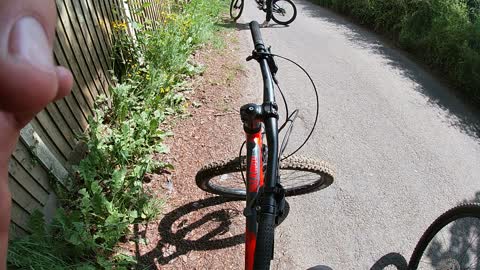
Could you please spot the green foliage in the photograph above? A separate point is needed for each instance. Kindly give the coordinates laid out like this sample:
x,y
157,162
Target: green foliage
x,y
106,193
446,34
180,34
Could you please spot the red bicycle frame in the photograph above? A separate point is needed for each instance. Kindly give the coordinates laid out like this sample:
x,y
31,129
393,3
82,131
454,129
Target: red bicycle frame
x,y
262,181
255,181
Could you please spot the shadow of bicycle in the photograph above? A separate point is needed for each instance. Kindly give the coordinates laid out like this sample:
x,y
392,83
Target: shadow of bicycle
x,y
453,242
391,260
461,241
178,236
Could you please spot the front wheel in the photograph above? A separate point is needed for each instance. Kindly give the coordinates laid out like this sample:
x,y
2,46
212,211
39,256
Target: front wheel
x,y
284,12
298,175
236,9
452,241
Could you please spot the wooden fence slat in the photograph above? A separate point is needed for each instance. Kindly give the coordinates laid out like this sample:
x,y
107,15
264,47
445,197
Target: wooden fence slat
x,y
83,98
83,33
75,101
20,216
101,32
73,30
156,12
101,22
24,156
61,124
111,20
53,133
133,11
112,17
48,142
100,5
15,231
83,12
25,180
68,114
148,13
46,153
114,11
22,197
77,67
138,12
121,10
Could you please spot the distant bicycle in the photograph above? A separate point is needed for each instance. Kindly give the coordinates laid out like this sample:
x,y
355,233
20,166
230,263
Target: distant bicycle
x,y
284,12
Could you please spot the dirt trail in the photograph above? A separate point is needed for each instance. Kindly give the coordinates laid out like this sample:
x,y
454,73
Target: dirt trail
x,y
197,230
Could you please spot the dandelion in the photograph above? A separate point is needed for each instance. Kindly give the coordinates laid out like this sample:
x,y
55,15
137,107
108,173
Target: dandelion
x,y
119,25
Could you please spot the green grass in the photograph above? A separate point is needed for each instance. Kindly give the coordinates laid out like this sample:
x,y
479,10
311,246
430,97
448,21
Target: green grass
x,y
106,194
443,33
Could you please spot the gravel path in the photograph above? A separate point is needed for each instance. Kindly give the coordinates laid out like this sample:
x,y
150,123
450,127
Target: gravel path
x,y
406,149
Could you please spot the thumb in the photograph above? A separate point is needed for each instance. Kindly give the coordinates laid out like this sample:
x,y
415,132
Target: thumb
x,y
26,68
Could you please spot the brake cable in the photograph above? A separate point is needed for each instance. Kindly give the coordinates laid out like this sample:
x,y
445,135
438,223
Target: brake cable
x,y
291,118
317,103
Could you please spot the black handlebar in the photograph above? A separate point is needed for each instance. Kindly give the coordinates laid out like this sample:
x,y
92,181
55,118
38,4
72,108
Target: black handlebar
x,y
270,119
268,207
256,36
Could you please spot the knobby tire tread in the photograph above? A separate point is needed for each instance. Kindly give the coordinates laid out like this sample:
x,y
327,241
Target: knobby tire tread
x,y
291,19
241,9
294,162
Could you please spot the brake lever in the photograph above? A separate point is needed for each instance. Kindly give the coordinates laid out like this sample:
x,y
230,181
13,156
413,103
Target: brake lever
x,y
270,61
272,65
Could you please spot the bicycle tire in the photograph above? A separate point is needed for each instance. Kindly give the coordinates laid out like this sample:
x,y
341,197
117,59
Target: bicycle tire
x,y
276,12
265,242
294,164
234,6
428,245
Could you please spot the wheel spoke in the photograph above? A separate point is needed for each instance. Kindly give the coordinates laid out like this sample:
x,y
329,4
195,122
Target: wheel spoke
x,y
465,253
470,242
427,264
444,242
470,266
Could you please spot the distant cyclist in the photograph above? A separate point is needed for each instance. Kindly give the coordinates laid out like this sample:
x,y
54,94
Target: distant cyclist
x,y
267,7
282,12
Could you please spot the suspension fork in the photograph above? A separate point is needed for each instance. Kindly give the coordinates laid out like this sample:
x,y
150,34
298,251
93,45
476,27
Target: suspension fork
x,y
252,124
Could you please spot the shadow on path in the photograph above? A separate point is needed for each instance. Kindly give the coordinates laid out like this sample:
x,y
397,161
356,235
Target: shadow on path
x,y
452,241
228,23
174,232
389,260
461,113
460,240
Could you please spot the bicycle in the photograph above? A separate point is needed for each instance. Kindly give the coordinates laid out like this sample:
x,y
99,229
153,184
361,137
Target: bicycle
x,y
462,226
268,173
284,12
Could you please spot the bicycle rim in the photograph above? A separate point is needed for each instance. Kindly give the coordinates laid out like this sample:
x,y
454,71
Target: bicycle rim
x,y
236,9
283,12
298,175
452,242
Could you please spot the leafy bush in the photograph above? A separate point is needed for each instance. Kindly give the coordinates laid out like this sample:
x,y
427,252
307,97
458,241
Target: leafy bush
x,y
446,34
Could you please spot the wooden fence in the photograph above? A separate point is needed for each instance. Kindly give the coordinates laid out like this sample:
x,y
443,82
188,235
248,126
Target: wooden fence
x,y
49,144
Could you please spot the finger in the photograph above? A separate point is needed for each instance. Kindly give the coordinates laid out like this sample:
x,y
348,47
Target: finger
x,y
27,70
65,82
